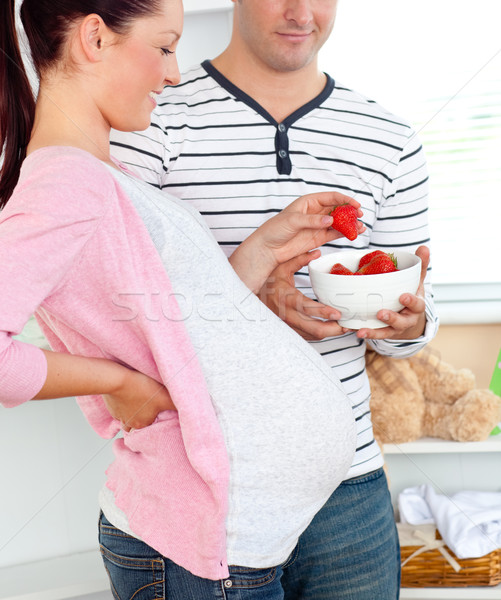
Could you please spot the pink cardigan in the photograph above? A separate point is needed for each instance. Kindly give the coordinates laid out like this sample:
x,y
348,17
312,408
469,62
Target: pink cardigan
x,y
71,246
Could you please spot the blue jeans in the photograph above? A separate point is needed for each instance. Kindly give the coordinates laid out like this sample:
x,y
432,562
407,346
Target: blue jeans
x,y
350,551
138,572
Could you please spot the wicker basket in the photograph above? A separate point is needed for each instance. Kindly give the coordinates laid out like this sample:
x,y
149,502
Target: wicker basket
x,y
431,569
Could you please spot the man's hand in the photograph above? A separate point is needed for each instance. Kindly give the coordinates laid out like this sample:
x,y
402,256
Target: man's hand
x,y
304,315
410,322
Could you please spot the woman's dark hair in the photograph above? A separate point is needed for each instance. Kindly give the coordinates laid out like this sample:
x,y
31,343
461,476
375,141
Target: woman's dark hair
x,y
46,23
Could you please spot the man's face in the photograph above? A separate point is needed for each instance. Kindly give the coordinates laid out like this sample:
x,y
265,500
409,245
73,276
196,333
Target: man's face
x,y
284,35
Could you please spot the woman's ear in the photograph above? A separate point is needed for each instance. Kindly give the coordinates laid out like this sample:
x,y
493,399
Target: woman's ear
x,y
94,36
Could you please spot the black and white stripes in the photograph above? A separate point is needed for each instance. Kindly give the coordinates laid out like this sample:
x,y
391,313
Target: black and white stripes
x,y
213,146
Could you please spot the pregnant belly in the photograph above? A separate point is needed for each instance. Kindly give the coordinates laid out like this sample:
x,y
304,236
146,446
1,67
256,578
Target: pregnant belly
x,y
303,450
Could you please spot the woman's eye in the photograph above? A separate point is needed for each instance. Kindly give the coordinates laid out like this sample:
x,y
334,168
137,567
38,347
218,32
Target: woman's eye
x,y
167,51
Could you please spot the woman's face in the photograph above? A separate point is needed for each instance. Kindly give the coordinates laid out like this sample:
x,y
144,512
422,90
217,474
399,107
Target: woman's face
x,y
142,63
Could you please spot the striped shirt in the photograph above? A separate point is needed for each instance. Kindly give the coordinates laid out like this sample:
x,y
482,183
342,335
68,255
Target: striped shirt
x,y
212,145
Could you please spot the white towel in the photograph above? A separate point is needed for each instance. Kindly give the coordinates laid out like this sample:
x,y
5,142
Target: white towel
x,y
468,521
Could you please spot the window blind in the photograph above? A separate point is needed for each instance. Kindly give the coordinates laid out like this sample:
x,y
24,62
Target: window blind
x,y
438,64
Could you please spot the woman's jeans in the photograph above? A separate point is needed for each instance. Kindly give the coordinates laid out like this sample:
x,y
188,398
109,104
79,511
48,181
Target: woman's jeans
x,y
349,551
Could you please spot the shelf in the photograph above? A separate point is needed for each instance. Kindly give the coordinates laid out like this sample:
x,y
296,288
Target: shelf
x,y
55,579
428,446
472,593
200,6
438,446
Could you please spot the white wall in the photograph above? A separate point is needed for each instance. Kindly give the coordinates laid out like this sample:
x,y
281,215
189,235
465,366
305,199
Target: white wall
x,y
205,35
51,469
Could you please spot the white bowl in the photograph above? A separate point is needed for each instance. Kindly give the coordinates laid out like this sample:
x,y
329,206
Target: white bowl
x,y
360,297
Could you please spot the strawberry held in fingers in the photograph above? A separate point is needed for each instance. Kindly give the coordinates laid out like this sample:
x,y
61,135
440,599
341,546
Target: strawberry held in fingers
x,y
381,263
345,220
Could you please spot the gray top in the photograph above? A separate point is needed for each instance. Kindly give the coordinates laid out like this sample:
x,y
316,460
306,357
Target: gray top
x,y
286,420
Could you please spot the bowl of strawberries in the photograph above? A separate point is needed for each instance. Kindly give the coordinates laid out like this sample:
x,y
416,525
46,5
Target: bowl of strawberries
x,y
359,283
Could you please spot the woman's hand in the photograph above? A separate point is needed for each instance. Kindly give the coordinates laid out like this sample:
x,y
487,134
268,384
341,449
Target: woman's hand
x,y
131,397
304,225
138,401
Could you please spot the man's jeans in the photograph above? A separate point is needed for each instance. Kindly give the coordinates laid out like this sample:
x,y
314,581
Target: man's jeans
x,y
349,551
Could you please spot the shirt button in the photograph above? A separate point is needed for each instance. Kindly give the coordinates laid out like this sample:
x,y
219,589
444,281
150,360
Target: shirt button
x,y
281,127
228,583
282,154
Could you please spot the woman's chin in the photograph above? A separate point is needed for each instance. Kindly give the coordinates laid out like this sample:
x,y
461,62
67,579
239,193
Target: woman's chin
x,y
138,124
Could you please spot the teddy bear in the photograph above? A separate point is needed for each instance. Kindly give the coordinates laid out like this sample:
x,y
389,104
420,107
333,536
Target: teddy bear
x,y
424,396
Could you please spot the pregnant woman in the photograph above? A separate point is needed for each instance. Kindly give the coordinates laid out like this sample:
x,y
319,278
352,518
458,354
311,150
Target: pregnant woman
x,y
235,432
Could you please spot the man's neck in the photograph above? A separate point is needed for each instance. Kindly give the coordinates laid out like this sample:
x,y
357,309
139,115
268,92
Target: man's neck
x,y
279,93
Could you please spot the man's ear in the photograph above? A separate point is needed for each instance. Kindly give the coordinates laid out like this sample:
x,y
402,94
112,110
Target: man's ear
x,y
94,37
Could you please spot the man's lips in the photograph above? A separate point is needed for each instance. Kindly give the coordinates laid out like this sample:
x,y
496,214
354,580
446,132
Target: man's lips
x,y
294,36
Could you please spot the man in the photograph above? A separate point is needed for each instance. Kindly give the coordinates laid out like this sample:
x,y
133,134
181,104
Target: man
x,y
240,138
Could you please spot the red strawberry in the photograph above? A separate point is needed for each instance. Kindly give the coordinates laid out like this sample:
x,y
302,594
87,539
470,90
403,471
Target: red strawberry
x,y
366,258
382,263
345,220
339,269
